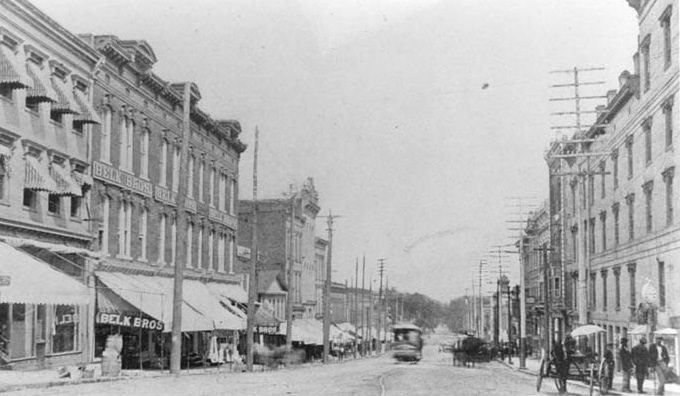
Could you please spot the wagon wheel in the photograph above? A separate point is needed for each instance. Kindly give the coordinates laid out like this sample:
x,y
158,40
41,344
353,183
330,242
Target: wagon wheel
x,y
591,369
542,369
604,378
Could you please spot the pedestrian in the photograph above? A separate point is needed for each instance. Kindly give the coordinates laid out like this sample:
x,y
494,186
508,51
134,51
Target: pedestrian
x,y
658,361
640,357
626,364
609,364
561,362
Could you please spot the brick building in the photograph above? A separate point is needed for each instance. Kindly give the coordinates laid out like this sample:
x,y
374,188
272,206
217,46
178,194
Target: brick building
x,y
45,119
623,226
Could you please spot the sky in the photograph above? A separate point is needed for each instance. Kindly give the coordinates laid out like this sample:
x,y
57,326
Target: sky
x,y
421,121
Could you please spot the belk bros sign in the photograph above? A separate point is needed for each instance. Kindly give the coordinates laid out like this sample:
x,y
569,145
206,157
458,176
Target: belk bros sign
x,y
128,321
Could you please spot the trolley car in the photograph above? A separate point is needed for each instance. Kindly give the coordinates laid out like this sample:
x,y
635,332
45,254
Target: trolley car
x,y
408,343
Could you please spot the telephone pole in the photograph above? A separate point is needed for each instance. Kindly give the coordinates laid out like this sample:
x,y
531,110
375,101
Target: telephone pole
x,y
356,306
252,284
546,297
381,272
363,314
177,298
327,289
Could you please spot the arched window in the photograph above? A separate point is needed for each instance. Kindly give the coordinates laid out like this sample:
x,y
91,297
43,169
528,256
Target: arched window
x,y
105,144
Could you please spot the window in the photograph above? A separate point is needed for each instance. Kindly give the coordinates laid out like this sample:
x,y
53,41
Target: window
x,y
190,245
161,238
631,287
231,254
222,193
591,190
6,92
232,196
573,197
76,203
667,44
615,168
201,171
603,273
615,212
591,233
668,179
211,241
211,187
3,179
603,221
629,151
630,201
129,144
199,253
175,169
122,144
647,188
163,179
124,229
143,227
647,131
644,50
105,146
593,295
144,154
54,204
617,288
56,116
65,330
603,191
104,228
190,177
173,242
668,118
221,246
662,283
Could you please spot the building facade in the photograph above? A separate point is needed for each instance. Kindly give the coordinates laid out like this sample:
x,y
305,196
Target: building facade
x,y
46,89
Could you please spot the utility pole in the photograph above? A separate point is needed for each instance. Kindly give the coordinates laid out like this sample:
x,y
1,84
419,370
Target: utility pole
x,y
370,316
546,297
583,256
289,271
363,313
252,284
356,306
481,301
381,271
177,298
327,290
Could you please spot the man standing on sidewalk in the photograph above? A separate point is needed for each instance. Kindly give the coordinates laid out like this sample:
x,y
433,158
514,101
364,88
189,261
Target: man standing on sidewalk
x,y
640,357
658,360
626,364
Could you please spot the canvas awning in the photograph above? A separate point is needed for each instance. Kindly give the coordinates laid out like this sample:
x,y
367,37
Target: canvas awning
x,y
66,185
65,103
5,151
37,176
228,290
33,281
12,70
88,115
153,295
639,330
41,90
52,247
309,331
82,179
668,331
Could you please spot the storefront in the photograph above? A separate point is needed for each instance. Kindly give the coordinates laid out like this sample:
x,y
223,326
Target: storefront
x,y
139,307
42,313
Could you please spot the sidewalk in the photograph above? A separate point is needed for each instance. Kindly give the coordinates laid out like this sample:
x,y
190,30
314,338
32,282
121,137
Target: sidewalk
x,y
532,366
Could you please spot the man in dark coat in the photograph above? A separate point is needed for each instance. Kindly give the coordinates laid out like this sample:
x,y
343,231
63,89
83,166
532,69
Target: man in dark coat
x,y
640,357
658,360
561,365
626,364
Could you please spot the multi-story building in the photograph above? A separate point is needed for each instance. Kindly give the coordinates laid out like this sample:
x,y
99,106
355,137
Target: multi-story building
x,y
144,228
320,246
46,115
278,246
624,229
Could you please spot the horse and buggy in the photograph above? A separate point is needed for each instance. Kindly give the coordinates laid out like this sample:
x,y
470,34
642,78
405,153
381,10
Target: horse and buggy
x,y
470,350
586,368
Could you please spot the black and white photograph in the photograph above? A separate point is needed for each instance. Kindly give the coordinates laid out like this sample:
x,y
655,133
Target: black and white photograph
x,y
339,197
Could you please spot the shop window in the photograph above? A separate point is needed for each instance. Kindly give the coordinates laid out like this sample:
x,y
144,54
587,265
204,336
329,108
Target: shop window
x,y
54,204
20,331
30,198
65,333
32,104
56,116
75,207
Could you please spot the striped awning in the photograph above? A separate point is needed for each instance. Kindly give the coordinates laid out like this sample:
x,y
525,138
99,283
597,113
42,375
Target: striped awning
x,y
42,90
12,70
88,115
65,103
66,185
82,179
38,177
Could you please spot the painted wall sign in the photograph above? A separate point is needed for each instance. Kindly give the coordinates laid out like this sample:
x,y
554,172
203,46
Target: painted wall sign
x,y
112,175
128,321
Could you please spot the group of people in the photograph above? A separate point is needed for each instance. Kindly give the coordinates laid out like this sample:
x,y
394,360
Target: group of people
x,y
642,360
